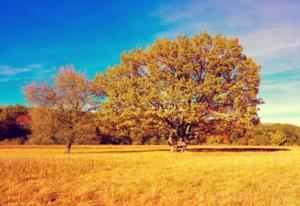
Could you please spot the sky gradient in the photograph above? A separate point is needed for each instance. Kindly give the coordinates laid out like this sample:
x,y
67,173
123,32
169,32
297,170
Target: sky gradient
x,y
39,36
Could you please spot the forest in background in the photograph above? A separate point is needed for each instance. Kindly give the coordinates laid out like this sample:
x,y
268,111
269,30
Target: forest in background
x,y
16,122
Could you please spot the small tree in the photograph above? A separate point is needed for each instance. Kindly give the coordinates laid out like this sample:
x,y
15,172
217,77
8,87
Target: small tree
x,y
68,99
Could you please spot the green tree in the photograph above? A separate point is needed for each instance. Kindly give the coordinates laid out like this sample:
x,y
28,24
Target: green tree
x,y
182,89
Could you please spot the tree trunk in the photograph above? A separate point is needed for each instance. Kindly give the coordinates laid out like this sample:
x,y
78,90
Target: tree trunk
x,y
172,143
68,146
177,146
70,140
182,145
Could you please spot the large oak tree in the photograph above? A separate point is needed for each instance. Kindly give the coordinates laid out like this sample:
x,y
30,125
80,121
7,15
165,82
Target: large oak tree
x,y
182,89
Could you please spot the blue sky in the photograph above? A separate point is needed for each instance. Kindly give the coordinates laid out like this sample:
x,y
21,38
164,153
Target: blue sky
x,y
38,36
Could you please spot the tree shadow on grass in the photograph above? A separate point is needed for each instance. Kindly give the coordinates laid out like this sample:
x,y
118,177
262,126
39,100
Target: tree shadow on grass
x,y
122,151
236,149
212,149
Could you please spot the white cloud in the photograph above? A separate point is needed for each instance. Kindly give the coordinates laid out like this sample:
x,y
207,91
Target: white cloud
x,y
267,29
267,42
7,70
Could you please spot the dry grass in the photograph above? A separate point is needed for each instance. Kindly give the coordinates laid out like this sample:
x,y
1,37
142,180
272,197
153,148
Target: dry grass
x,y
144,175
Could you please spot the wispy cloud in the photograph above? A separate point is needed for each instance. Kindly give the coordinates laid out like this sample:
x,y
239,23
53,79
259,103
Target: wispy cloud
x,y
25,74
7,70
270,41
266,28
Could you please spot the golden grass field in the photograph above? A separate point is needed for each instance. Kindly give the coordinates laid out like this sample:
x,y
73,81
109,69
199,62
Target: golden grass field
x,y
147,175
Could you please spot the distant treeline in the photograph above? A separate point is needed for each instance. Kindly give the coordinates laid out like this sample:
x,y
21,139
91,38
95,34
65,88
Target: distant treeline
x,y
17,123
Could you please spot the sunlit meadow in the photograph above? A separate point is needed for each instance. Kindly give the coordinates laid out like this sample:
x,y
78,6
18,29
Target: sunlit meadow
x,y
148,175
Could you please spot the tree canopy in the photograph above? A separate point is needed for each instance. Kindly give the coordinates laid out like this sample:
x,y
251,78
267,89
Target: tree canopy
x,y
182,89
